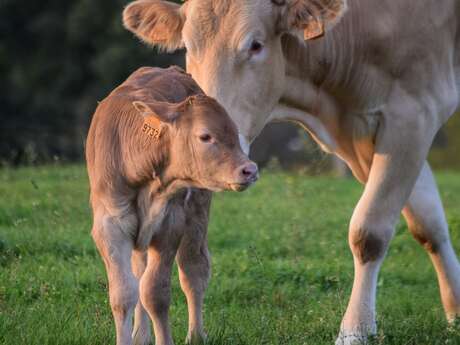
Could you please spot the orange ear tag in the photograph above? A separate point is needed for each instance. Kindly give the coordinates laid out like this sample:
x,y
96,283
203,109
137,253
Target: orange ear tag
x,y
152,127
314,30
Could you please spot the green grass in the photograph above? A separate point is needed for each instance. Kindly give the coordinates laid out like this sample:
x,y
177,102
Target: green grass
x,y
282,270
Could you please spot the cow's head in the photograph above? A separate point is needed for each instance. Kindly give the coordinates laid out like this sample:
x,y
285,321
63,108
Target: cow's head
x,y
202,143
234,47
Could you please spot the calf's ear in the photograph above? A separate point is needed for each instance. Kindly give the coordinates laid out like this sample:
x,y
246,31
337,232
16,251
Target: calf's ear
x,y
156,22
162,111
314,17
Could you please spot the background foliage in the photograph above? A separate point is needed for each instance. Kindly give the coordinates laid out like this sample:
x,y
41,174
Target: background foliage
x,y
57,59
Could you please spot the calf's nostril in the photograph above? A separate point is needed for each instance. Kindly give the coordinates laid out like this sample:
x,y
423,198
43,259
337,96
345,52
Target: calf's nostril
x,y
249,170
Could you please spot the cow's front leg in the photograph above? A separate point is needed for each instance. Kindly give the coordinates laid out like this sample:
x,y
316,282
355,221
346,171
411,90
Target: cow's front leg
x,y
115,247
155,286
401,145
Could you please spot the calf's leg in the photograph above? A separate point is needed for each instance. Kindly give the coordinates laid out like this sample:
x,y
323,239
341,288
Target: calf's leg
x,y
141,332
115,247
194,269
426,220
155,286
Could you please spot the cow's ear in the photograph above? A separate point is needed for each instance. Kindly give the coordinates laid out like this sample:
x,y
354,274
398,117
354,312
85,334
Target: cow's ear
x,y
162,111
156,22
314,17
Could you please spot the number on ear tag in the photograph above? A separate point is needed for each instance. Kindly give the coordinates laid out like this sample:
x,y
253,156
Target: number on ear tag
x,y
152,127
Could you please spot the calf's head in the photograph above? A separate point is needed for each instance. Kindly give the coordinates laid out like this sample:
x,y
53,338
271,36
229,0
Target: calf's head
x,y
234,47
200,143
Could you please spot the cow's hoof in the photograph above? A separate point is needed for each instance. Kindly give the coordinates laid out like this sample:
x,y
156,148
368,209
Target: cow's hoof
x,y
354,338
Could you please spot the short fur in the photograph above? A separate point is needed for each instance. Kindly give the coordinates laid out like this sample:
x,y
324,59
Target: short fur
x,y
144,196
374,90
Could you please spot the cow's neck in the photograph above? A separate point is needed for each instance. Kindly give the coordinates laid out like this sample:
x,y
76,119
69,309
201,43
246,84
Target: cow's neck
x,y
328,79
346,64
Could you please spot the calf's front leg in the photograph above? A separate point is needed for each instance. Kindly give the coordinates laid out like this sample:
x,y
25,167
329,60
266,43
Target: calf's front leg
x,y
141,331
194,270
115,247
401,146
194,262
155,286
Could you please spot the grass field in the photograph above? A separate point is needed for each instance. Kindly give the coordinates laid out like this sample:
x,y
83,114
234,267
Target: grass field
x,y
282,270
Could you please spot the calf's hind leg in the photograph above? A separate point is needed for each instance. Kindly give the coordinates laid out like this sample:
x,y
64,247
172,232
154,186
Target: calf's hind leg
x,y
425,217
115,247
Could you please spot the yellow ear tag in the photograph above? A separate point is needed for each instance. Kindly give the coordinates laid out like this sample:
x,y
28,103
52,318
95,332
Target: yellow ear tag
x,y
152,127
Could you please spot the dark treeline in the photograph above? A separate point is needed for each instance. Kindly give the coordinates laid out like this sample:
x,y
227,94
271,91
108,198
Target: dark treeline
x,y
57,59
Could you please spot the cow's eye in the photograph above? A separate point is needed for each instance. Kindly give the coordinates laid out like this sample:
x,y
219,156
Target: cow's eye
x,y
205,138
256,47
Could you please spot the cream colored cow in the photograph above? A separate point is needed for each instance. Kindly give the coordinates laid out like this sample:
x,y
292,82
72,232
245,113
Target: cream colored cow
x,y
371,80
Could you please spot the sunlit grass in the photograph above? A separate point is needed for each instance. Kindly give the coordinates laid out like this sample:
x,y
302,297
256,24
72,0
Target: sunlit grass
x,y
282,270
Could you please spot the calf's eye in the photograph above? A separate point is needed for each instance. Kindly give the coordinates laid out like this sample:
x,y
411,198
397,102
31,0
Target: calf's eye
x,y
256,47
205,138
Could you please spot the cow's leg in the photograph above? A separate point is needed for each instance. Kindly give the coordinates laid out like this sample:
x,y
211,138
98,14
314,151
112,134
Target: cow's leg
x,y
401,146
141,332
194,269
115,247
155,286
426,220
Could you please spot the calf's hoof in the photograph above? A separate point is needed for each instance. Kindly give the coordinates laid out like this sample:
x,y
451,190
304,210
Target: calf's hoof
x,y
142,337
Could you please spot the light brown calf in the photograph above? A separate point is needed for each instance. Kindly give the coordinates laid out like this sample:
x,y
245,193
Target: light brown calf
x,y
151,141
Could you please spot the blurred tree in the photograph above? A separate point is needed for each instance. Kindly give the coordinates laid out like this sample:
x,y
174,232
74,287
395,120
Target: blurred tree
x,y
57,59
447,154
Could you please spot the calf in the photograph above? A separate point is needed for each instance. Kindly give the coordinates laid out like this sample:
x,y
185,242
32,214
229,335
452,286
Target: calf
x,y
155,144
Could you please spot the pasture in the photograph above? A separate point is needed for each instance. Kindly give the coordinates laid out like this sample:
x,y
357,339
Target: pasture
x,y
282,270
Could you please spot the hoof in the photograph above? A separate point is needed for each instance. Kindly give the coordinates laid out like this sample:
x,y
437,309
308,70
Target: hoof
x,y
354,338
142,337
196,338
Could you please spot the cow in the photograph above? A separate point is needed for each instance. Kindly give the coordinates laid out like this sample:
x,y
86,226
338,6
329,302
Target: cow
x,y
156,147
372,81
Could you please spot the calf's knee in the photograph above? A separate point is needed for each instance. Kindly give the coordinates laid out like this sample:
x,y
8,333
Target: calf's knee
x,y
124,297
155,295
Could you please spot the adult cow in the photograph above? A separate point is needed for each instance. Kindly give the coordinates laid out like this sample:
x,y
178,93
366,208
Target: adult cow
x,y
374,90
